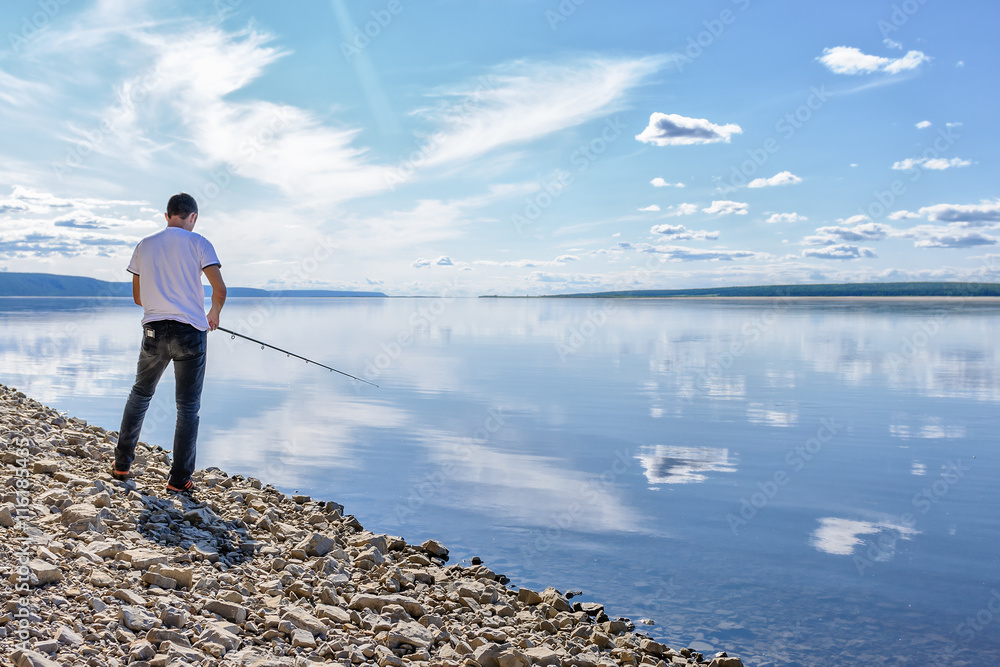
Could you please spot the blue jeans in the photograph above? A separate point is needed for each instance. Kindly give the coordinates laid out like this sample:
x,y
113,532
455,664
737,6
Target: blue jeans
x,y
163,342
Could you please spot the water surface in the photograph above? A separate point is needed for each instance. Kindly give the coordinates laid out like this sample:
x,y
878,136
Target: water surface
x,y
800,482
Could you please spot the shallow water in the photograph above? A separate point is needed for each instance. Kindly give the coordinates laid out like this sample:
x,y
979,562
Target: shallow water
x,y
799,482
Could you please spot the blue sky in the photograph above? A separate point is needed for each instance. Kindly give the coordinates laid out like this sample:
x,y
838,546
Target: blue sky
x,y
512,147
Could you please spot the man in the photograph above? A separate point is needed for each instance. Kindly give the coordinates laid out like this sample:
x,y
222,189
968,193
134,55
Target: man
x,y
166,270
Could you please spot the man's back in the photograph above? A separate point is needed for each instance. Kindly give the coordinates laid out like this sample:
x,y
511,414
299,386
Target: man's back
x,y
169,264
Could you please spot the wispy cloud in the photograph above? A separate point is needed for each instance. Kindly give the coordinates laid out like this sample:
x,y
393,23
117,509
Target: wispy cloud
x,y
726,207
937,164
782,178
682,233
660,183
850,60
786,217
527,100
839,251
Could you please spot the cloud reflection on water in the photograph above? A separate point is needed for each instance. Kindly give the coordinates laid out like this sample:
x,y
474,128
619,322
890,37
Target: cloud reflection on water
x,y
666,464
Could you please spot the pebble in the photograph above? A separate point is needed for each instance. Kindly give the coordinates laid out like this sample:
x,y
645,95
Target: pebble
x,y
244,575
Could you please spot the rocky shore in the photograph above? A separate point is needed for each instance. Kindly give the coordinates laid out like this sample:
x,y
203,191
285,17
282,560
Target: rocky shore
x,y
104,573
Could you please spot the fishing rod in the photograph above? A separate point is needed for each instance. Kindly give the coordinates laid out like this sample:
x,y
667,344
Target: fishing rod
x,y
292,354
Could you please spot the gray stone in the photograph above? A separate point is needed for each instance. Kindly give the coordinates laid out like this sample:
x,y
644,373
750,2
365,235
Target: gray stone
x,y
542,655
81,518
528,596
217,634
44,467
361,602
317,544
24,658
411,633
66,636
173,617
136,619
334,613
160,581
300,618
302,638
228,610
141,559
129,597
435,548
184,576
141,650
487,654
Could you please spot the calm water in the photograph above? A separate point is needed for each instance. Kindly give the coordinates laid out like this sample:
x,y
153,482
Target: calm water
x,y
799,482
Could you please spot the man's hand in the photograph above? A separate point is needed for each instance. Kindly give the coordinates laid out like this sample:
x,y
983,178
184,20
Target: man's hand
x,y
214,276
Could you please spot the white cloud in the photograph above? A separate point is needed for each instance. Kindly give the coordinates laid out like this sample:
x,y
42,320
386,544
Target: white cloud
x,y
682,233
782,178
923,124
651,209
892,44
871,231
675,130
683,209
726,207
850,60
682,254
949,236
903,215
525,101
936,164
786,217
985,213
421,263
839,251
855,219
660,183
444,261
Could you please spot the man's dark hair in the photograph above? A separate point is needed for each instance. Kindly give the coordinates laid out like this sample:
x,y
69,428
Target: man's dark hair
x,y
181,204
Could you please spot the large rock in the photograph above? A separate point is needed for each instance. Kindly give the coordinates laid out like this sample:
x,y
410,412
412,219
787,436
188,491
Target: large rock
x,y
542,655
301,618
136,619
317,544
528,596
24,658
217,634
141,559
411,633
228,610
82,517
435,548
40,573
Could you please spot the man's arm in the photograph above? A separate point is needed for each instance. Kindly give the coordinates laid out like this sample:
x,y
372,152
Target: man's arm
x,y
135,290
214,275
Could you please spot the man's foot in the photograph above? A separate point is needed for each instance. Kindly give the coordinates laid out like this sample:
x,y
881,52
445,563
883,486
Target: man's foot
x,y
119,475
187,488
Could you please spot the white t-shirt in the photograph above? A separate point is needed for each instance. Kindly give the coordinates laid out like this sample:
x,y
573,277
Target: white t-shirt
x,y
169,264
